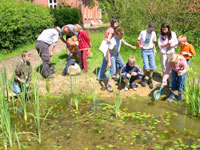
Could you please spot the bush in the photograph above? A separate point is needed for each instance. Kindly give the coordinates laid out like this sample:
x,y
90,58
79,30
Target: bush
x,y
65,16
21,23
134,15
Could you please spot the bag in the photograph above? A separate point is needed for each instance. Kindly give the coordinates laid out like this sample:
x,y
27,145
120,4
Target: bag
x,y
104,47
74,69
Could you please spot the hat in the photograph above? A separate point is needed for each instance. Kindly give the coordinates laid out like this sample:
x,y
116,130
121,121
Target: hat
x,y
58,29
152,26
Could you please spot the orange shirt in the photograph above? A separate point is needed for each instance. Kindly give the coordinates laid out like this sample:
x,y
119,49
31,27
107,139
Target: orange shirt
x,y
187,49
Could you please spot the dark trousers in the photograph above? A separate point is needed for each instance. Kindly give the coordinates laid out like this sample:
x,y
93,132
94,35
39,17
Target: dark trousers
x,y
43,51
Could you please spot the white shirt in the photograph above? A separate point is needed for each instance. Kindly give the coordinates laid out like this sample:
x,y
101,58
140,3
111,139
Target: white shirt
x,y
115,45
173,40
49,36
147,39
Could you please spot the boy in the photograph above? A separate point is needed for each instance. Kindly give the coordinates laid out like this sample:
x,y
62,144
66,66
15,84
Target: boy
x,y
131,74
146,41
187,50
115,61
22,73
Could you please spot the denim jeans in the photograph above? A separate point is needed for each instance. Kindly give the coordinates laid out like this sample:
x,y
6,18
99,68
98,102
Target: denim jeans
x,y
178,81
148,59
116,63
102,70
16,88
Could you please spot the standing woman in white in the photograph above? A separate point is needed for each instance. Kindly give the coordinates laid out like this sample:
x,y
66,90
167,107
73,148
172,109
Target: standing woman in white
x,y
167,43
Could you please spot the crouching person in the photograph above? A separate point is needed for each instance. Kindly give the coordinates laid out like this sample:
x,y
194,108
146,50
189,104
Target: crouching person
x,y
23,72
131,74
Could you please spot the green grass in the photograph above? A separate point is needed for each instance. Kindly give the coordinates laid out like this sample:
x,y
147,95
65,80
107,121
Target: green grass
x,y
5,54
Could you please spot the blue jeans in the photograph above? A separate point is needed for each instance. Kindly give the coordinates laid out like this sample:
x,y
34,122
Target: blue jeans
x,y
16,88
148,59
116,63
188,62
178,81
102,70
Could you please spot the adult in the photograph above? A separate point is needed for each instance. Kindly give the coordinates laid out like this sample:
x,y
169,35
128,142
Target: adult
x,y
167,43
68,30
45,45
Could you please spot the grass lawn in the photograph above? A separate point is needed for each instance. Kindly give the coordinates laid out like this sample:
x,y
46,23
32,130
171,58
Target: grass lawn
x,y
95,62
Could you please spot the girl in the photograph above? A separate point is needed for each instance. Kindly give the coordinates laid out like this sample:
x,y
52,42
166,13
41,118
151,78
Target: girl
x,y
178,65
167,43
104,48
84,45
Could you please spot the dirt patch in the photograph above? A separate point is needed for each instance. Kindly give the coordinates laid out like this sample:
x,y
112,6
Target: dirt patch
x,y
84,83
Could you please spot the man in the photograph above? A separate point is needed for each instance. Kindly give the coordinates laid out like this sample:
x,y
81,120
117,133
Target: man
x,y
69,31
45,45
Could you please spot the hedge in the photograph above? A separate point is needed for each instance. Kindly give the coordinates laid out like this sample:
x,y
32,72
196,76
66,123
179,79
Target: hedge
x,y
65,16
21,23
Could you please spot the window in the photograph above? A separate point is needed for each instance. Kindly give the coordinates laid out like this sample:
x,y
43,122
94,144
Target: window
x,y
52,4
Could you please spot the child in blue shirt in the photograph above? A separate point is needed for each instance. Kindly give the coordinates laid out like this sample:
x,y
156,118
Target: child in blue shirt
x,y
131,74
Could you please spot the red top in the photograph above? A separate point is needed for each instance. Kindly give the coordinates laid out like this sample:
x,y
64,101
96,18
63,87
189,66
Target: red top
x,y
110,30
83,40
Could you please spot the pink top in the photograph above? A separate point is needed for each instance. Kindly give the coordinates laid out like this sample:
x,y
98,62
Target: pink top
x,y
83,40
181,65
110,30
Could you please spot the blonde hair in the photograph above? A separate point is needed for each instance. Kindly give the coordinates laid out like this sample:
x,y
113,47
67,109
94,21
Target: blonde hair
x,y
174,58
131,59
182,38
119,31
77,28
58,29
25,53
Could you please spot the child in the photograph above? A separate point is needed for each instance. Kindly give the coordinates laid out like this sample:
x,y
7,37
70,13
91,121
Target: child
x,y
146,41
187,50
104,48
167,43
84,45
131,74
115,61
178,65
22,73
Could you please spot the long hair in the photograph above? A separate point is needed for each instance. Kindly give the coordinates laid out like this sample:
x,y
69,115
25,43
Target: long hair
x,y
169,33
113,22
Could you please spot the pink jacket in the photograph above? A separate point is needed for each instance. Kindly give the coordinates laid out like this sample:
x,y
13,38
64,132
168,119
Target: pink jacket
x,y
181,65
83,40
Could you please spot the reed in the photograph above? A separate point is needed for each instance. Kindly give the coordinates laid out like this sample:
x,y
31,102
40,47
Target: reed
x,y
7,132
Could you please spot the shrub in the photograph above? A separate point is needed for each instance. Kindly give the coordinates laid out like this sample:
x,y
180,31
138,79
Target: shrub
x,y
134,15
65,16
21,23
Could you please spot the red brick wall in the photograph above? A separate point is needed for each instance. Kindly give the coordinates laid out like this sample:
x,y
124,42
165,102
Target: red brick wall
x,y
90,16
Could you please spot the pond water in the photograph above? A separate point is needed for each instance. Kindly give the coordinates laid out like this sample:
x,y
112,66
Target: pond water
x,y
140,125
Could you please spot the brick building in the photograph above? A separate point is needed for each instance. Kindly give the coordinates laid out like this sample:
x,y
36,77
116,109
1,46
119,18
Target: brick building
x,y
90,15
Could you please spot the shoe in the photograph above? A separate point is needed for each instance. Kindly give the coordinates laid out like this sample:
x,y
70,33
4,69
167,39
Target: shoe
x,y
179,98
54,71
50,76
134,86
109,87
143,83
171,98
126,87
150,83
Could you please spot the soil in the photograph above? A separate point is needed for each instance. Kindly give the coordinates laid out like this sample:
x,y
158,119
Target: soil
x,y
85,83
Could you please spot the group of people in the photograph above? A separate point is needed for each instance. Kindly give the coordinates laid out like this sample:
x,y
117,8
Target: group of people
x,y
131,74
78,46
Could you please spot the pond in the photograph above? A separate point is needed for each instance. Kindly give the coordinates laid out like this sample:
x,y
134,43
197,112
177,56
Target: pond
x,y
140,124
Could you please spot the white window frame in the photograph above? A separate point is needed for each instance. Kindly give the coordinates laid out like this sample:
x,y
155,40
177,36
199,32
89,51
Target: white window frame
x,y
53,4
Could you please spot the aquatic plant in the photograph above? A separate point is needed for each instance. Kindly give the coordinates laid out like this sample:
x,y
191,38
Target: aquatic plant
x,y
73,97
192,96
7,132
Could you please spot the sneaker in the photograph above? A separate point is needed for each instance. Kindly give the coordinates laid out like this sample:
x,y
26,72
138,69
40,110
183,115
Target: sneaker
x,y
134,86
179,98
150,83
143,83
54,71
50,76
126,87
117,76
171,98
109,87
